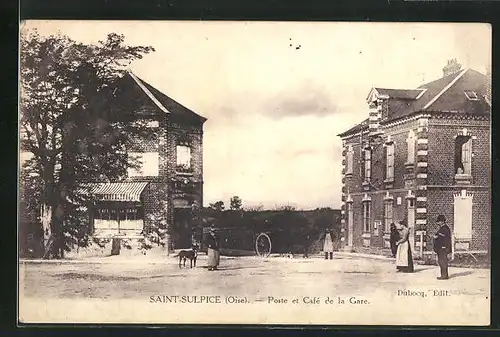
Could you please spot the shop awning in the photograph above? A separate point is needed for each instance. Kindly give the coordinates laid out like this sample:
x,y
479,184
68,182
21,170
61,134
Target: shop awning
x,y
122,191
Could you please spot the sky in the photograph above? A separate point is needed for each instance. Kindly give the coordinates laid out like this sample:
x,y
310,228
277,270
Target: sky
x,y
276,94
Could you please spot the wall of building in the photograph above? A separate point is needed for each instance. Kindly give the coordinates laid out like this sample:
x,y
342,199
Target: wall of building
x,y
398,134
441,179
441,150
440,201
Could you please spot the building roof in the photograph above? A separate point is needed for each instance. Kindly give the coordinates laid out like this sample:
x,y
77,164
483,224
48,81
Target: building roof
x,y
400,93
446,94
133,88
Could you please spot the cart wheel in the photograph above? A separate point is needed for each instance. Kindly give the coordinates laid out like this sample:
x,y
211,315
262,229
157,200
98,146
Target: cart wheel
x,y
263,245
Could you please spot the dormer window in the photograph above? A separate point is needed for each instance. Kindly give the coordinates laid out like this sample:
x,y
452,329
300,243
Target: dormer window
x,y
471,95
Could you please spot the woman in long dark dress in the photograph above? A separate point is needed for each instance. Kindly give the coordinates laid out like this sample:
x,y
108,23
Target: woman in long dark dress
x,y
404,260
394,239
212,243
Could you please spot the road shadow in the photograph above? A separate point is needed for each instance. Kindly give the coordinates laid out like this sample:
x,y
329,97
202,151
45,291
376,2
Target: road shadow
x,y
237,268
464,273
420,269
93,277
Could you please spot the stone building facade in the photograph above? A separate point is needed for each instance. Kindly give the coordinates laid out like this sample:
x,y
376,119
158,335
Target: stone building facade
x,y
421,152
167,185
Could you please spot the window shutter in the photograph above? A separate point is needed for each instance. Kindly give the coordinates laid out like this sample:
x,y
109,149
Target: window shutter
x,y
411,147
362,164
386,156
349,160
367,164
468,156
389,155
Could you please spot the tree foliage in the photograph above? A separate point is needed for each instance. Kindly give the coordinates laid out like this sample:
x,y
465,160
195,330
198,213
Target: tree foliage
x,y
70,121
235,203
217,206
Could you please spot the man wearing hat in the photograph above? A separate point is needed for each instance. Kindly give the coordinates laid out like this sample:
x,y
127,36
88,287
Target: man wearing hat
x,y
442,246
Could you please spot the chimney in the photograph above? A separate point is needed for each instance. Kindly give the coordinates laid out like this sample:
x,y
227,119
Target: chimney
x,y
375,116
451,67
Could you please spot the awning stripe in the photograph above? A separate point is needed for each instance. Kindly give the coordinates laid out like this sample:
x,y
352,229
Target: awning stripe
x,y
122,191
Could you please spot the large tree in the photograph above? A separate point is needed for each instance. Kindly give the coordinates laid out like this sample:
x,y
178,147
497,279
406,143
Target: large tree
x,y
70,121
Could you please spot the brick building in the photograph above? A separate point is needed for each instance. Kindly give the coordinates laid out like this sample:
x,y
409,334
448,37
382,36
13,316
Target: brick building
x,y
421,152
169,180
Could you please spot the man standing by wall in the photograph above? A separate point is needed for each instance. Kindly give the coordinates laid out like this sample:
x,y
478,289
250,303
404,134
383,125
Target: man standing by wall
x,y
442,246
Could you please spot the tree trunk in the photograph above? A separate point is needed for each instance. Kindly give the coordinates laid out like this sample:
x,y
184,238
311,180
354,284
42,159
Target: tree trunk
x,y
46,219
57,229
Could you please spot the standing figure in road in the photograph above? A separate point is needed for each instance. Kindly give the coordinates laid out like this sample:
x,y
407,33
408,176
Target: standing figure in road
x,y
442,246
212,243
195,244
394,238
328,245
404,259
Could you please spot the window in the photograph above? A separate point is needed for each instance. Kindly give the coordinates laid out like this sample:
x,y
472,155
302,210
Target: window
x,y
366,216
118,219
350,154
183,157
471,95
462,222
148,164
411,147
388,215
463,155
368,155
389,172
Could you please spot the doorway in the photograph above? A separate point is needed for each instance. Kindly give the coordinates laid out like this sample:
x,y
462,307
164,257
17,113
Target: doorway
x,y
182,225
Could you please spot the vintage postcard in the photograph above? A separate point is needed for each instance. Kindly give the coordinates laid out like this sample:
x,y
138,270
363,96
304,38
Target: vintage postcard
x,y
183,172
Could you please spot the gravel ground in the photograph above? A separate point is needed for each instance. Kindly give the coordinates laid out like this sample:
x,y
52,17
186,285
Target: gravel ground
x,y
134,292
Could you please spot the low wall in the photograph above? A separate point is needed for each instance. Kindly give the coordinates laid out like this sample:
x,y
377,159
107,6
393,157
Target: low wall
x,y
94,250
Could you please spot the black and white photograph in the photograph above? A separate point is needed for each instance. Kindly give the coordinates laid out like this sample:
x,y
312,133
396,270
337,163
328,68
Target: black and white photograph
x,y
254,172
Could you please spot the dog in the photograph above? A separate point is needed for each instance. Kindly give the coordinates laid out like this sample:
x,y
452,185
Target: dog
x,y
188,254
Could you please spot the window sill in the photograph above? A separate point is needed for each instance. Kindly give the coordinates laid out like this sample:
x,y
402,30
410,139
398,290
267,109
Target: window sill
x,y
348,175
184,173
463,178
409,164
389,181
